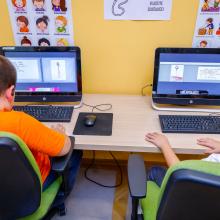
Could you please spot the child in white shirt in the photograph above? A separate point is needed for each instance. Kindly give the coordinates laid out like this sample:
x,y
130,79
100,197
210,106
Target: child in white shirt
x,y
156,174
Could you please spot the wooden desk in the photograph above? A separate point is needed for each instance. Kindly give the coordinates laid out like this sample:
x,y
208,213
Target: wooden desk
x,y
133,118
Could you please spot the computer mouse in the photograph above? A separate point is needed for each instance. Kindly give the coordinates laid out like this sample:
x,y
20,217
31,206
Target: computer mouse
x,y
89,120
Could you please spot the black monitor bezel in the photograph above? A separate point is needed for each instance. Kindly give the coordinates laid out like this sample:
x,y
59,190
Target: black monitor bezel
x,y
47,96
182,99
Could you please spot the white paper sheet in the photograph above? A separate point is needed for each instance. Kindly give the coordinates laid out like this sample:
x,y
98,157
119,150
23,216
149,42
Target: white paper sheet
x,y
137,9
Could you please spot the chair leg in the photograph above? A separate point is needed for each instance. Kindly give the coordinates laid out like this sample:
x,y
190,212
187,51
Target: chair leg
x,y
134,213
62,209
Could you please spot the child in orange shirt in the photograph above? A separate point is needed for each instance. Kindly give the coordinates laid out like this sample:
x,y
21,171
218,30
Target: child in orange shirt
x,y
42,141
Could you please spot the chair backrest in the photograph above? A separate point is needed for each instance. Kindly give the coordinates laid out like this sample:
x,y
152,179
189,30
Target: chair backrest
x,y
20,184
191,191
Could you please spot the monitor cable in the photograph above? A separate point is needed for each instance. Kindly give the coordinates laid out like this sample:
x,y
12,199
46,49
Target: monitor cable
x,y
102,107
99,107
100,184
144,87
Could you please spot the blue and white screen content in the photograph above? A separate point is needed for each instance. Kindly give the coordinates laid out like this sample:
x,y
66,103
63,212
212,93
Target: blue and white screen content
x,y
45,71
189,74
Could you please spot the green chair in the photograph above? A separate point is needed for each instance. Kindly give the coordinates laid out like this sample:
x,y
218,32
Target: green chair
x,y
21,195
190,191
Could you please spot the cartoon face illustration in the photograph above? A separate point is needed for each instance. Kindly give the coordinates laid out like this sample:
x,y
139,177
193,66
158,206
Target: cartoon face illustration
x,y
59,5
62,42
61,23
42,23
19,4
43,42
203,44
25,41
39,5
23,23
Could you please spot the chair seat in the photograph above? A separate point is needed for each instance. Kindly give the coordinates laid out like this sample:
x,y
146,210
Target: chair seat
x,y
150,203
47,199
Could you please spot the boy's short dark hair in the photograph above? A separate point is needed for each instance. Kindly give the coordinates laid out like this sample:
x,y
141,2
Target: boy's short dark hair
x,y
8,75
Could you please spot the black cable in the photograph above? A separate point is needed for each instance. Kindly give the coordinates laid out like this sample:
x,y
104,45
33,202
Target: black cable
x,y
100,184
97,107
142,90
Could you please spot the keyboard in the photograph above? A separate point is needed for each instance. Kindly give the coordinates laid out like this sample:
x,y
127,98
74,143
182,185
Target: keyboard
x,y
48,113
190,124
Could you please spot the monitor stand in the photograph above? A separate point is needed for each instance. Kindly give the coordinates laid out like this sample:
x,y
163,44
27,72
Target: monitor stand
x,y
185,108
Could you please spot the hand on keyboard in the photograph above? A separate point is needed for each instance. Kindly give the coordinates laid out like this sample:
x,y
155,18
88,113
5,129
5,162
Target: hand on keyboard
x,y
158,140
212,145
59,128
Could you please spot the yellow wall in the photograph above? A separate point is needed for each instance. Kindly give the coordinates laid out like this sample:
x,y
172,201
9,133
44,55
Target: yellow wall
x,y
118,56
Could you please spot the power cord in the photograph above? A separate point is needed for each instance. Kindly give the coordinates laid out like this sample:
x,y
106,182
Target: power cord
x,y
100,184
99,108
144,87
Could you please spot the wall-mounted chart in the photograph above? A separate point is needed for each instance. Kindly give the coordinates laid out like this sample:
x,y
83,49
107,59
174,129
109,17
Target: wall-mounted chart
x,y
207,30
41,22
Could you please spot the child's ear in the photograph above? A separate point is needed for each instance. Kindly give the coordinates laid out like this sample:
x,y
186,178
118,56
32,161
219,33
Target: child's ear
x,y
10,92
13,92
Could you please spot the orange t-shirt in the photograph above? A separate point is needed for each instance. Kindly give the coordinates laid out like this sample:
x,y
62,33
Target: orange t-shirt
x,y
41,140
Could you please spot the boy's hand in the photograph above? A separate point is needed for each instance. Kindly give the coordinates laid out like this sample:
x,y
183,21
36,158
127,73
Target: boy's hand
x,y
157,139
59,128
212,145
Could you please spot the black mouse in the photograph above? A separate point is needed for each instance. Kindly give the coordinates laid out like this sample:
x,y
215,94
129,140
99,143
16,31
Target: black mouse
x,y
89,120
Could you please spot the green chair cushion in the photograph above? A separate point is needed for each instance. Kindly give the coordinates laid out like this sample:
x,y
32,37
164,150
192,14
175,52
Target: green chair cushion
x,y
197,165
48,196
47,199
149,203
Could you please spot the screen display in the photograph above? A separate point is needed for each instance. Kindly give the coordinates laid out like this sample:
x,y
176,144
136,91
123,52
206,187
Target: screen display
x,y
53,71
188,74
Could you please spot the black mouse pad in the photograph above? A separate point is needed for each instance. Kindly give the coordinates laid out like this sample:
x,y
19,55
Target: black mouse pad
x,y
102,126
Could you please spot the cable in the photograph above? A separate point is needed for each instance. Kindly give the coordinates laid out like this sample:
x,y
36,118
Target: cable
x,y
97,107
100,184
142,90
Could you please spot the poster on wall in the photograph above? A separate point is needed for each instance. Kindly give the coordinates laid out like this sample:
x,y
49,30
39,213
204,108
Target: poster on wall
x,y
41,22
207,29
137,9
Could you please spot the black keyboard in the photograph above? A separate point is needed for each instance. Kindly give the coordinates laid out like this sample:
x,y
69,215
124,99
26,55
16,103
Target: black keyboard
x,y
190,124
48,113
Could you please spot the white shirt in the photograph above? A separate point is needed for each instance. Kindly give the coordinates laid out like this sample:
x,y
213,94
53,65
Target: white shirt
x,y
213,158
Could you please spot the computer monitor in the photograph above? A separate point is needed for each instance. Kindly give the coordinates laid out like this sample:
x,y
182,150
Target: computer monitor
x,y
186,76
46,74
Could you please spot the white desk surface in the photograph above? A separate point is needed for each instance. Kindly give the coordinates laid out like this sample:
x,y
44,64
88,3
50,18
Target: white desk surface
x,y
133,117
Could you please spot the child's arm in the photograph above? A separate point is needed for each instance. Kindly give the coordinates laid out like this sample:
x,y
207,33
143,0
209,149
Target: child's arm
x,y
163,144
212,145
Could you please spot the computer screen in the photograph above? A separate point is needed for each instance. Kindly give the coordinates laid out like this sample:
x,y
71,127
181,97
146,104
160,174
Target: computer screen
x,y
52,73
187,76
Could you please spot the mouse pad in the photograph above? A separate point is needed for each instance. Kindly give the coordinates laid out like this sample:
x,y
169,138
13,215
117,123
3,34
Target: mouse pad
x,y
102,126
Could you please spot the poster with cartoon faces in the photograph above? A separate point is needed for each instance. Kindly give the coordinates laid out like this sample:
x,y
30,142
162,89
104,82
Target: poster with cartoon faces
x,y
41,22
207,29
